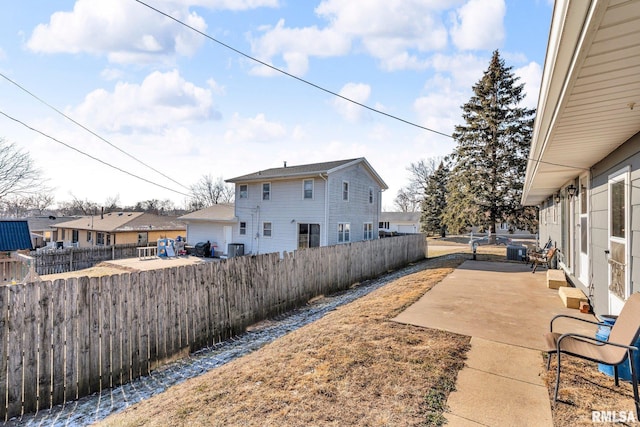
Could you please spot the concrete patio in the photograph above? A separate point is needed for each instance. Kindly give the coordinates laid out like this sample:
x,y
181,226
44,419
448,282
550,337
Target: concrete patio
x,y
506,310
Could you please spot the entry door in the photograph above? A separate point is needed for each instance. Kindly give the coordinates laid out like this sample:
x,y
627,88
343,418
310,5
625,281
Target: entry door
x,y
618,240
583,232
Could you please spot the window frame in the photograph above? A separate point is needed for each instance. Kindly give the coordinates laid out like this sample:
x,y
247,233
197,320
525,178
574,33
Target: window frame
x,y
242,192
367,234
344,232
304,190
267,193
345,191
264,229
243,228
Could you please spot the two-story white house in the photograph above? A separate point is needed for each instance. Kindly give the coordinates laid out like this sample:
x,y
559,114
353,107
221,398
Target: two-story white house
x,y
293,207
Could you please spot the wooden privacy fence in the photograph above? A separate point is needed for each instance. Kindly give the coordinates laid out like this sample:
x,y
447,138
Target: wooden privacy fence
x,y
72,259
66,339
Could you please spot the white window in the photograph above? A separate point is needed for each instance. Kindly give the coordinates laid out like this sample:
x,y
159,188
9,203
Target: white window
x,y
345,191
243,191
243,228
266,191
88,236
343,232
383,225
100,238
370,195
307,189
266,229
143,239
368,231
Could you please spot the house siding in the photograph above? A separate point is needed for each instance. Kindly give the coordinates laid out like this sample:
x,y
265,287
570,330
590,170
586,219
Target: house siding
x,y
285,210
357,210
626,156
211,231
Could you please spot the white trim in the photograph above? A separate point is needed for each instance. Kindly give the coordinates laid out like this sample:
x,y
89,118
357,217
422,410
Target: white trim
x,y
313,189
621,175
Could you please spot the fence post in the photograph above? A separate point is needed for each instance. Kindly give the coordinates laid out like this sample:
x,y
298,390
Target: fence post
x,y
71,260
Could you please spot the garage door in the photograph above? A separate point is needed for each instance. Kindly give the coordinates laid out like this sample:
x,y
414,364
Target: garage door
x,y
406,229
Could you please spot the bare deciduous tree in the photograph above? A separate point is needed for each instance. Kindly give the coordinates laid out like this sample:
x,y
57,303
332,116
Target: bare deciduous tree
x,y
208,192
18,174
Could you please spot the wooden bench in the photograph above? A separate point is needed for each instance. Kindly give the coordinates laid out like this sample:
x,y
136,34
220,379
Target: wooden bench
x,y
542,258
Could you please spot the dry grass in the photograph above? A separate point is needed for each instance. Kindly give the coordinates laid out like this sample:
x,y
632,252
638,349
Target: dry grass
x,y
352,367
584,389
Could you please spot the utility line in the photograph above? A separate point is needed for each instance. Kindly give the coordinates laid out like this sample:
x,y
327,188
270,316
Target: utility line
x,y
89,155
307,82
239,52
91,132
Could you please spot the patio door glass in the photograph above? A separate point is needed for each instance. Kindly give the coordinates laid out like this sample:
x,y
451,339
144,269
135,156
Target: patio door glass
x,y
618,240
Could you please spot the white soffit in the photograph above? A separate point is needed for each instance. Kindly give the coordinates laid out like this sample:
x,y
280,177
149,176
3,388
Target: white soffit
x,y
591,77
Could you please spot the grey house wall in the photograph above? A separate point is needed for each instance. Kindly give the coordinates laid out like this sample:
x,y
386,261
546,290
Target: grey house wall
x,y
627,155
357,210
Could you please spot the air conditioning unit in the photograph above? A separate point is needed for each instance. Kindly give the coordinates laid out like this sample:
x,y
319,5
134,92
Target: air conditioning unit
x,y
516,253
235,249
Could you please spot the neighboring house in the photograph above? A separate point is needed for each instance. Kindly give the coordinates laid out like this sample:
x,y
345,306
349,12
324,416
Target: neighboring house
x,y
14,236
43,229
213,224
584,166
119,228
322,204
15,240
399,222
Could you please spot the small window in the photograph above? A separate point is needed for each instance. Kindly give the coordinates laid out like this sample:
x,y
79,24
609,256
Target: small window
x,y
143,239
75,235
266,229
243,228
370,195
243,190
100,238
368,231
384,225
266,191
343,232
88,236
308,188
345,191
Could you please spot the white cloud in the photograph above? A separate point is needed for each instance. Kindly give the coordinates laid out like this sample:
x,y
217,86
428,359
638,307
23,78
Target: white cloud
x,y
111,74
296,45
479,24
358,92
531,76
3,55
439,109
396,32
256,129
124,31
236,5
161,100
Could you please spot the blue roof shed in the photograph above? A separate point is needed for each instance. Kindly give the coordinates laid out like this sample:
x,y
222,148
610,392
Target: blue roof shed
x,y
14,236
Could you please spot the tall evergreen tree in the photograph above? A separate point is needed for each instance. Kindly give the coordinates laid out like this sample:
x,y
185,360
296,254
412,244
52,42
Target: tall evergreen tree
x,y
434,202
490,159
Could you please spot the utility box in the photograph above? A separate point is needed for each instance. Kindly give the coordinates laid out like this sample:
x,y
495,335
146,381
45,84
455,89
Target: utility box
x,y
516,253
235,249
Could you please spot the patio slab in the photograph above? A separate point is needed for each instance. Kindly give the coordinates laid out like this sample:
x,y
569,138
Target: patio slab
x,y
497,301
506,310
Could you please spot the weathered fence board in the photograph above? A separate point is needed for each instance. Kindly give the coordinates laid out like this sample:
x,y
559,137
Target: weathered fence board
x,y
67,339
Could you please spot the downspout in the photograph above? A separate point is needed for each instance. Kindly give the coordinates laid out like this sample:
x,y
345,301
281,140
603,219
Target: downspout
x,y
326,210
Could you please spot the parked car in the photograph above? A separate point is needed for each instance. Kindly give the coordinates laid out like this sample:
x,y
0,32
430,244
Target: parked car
x,y
500,240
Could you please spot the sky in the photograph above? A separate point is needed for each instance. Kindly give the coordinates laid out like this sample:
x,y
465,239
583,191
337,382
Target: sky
x,y
152,105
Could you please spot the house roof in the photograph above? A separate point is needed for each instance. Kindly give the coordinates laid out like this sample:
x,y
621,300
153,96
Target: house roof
x,y
124,221
400,216
215,213
310,170
14,236
43,223
589,83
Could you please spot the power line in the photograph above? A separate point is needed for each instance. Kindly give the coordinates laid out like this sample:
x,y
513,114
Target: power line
x,y
90,131
90,156
307,82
